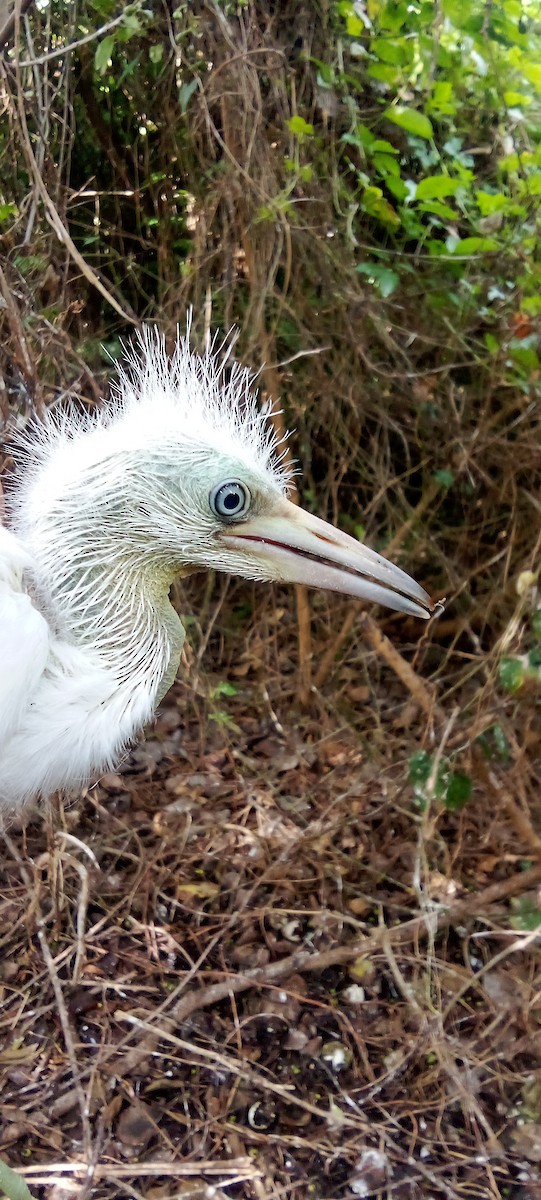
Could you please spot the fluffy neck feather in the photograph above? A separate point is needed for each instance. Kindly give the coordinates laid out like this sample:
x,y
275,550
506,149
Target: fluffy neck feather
x,y
106,591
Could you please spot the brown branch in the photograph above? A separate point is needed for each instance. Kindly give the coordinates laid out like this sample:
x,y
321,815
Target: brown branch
x,y
10,15
421,692
427,923
385,649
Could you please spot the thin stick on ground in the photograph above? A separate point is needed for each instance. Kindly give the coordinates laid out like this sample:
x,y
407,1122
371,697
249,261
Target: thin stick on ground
x,y
420,691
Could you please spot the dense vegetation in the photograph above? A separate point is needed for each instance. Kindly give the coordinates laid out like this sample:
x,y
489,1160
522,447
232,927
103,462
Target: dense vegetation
x,y
355,185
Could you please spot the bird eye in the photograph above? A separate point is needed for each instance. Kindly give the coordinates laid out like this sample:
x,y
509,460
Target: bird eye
x,y
230,500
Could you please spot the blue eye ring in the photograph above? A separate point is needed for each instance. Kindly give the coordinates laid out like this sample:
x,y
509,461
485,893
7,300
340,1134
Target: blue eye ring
x,y
230,500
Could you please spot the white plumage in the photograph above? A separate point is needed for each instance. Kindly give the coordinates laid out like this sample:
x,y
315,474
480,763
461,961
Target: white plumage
x,y
180,471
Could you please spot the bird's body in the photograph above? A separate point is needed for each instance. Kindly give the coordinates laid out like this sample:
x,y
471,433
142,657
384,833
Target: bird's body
x,y
179,472
65,712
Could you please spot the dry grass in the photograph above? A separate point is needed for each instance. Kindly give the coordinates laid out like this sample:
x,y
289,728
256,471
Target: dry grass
x,y
250,965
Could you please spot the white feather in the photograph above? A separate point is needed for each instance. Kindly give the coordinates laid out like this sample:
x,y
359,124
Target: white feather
x,y
24,637
107,512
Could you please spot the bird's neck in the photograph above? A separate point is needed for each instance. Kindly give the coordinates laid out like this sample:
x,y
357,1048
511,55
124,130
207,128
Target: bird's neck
x,y
109,598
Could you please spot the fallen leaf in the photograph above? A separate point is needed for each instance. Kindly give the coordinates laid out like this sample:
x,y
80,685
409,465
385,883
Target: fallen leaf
x,y
136,1125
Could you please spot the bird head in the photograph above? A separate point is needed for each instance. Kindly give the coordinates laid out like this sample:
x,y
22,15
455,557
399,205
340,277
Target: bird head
x,y
234,518
183,471
223,500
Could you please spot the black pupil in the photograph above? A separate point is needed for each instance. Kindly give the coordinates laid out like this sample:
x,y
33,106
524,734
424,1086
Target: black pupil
x,y
232,500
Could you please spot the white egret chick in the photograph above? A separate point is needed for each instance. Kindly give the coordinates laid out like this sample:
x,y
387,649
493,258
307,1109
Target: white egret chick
x,y
179,471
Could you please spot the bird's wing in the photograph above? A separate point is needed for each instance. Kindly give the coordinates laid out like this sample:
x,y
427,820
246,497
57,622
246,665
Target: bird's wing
x,y
24,638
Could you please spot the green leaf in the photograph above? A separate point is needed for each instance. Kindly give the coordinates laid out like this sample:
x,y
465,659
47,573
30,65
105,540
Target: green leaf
x,y
532,184
491,202
325,74
411,120
224,689
104,52
131,25
383,147
517,99
375,204
494,744
391,16
445,478
532,72
360,136
527,915
512,674
105,9
12,1184
155,52
526,357
299,127
453,788
536,623
420,766
185,93
475,245
394,53
435,187
386,165
463,16
7,211
397,188
381,277
354,26
383,72
439,210
363,135
501,743
458,792
492,344
442,99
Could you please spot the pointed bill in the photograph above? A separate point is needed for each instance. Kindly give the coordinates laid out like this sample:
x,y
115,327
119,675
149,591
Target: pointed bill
x,y
301,548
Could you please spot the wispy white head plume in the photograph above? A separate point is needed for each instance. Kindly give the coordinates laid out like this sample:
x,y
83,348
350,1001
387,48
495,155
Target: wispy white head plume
x,y
206,399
